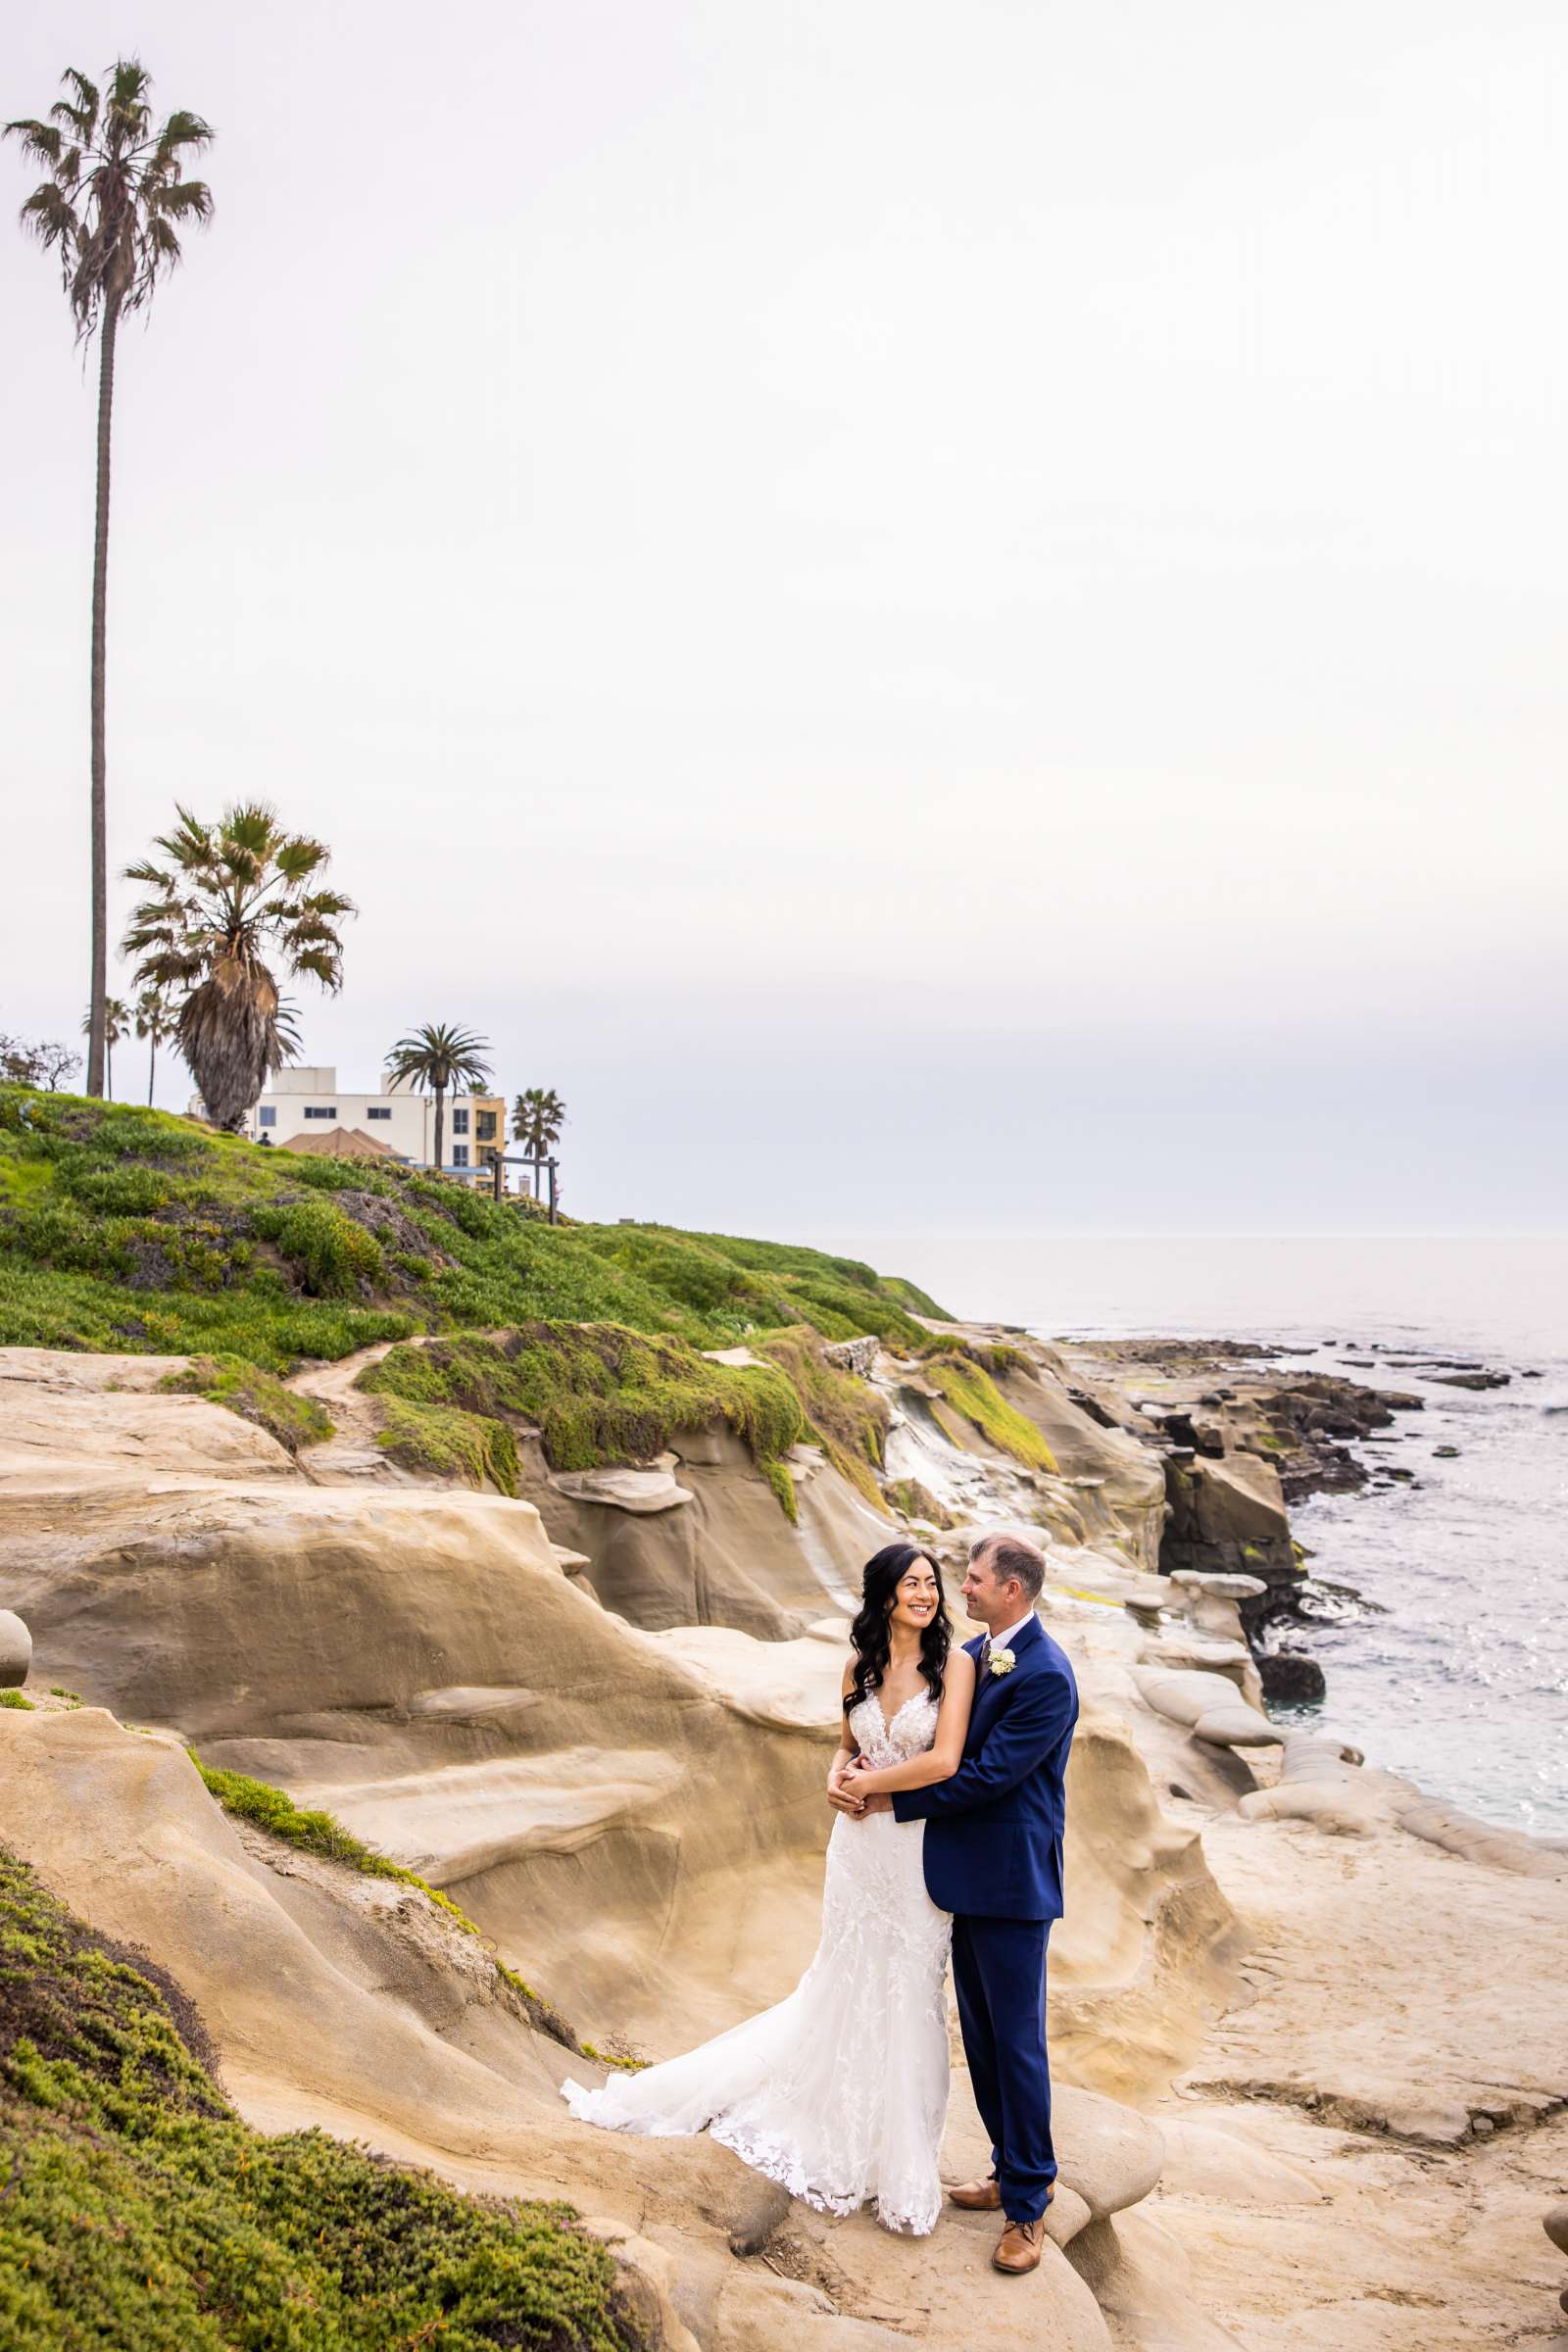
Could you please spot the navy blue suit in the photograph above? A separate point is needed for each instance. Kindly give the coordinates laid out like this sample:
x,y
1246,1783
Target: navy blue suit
x,y
992,1858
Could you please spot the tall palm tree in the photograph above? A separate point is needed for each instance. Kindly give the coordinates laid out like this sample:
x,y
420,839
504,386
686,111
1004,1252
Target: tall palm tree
x,y
116,1025
537,1117
155,1021
113,203
440,1058
227,896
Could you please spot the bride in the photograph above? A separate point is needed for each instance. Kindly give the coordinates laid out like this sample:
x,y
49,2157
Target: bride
x,y
841,2092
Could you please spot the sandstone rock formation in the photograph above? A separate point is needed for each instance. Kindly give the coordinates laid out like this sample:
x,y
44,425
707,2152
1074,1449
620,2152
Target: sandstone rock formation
x,y
1228,1517
605,1730
16,1650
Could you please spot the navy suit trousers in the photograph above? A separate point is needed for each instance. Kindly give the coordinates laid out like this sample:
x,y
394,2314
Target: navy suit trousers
x,y
998,1973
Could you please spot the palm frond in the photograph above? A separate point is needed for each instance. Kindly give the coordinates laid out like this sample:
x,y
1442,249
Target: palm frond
x,y
286,1025
180,200
181,129
48,217
87,95
129,85
329,904
40,142
191,844
80,119
298,858
321,963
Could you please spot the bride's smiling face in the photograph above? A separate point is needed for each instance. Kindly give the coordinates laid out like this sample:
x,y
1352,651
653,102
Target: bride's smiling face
x,y
916,1598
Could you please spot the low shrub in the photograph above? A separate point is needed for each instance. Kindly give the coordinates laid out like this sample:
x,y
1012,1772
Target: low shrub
x,y
140,2213
331,1256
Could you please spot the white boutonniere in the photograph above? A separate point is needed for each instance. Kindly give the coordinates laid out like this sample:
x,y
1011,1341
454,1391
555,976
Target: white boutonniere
x,y
1003,1661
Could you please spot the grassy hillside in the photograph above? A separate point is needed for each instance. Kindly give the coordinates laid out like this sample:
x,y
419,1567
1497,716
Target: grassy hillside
x,y
139,2211
132,1231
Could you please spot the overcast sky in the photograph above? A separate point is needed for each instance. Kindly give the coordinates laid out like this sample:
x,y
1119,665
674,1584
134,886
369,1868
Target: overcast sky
x,y
949,618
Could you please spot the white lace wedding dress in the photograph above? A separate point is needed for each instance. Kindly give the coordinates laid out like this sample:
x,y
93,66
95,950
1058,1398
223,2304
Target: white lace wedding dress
x,y
840,2093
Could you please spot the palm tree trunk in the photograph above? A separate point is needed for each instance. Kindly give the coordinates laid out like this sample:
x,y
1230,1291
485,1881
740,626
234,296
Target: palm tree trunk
x,y
440,1124
152,1066
109,1068
96,1054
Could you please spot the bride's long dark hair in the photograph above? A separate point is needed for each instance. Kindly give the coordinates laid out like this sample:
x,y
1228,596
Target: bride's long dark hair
x,y
872,1641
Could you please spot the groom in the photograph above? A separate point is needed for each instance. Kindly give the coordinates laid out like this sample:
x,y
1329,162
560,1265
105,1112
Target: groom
x,y
992,1858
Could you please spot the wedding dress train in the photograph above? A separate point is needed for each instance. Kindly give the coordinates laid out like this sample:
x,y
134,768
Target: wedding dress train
x,y
841,2092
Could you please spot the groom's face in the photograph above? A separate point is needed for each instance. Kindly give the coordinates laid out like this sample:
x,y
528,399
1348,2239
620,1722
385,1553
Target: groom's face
x,y
988,1602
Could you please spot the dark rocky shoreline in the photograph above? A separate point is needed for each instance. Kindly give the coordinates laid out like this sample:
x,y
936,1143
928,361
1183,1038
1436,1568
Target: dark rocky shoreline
x,y
1245,1432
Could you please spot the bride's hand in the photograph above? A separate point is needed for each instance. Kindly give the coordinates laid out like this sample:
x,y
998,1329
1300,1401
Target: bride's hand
x,y
862,1779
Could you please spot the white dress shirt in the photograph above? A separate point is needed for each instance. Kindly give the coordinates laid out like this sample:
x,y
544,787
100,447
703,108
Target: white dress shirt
x,y
1004,1641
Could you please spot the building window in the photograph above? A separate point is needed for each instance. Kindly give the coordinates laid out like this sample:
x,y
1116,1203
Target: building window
x,y
266,1116
460,1155
321,1110
459,1122
379,1111
487,1126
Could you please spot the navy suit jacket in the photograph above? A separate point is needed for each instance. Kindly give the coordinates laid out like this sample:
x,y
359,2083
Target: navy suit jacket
x,y
992,1840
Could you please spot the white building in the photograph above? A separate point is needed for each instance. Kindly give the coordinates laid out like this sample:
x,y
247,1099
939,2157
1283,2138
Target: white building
x,y
306,1103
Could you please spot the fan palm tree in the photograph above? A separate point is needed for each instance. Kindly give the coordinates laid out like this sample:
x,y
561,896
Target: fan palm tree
x,y
537,1117
112,205
440,1058
116,1025
155,1021
227,896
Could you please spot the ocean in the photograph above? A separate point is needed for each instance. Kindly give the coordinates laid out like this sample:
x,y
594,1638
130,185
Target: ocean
x,y
1453,1665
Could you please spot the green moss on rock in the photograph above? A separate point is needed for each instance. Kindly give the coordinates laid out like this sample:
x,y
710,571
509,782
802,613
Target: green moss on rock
x,y
781,1479
295,1421
139,2212
320,1834
596,1391
970,1387
441,1440
916,1501
848,1418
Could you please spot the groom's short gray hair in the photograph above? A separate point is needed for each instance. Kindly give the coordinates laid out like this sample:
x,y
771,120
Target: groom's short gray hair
x,y
1015,1556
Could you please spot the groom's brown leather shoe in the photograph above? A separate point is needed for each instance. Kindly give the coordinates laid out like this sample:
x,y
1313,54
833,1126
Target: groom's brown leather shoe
x,y
977,2196
1019,2247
